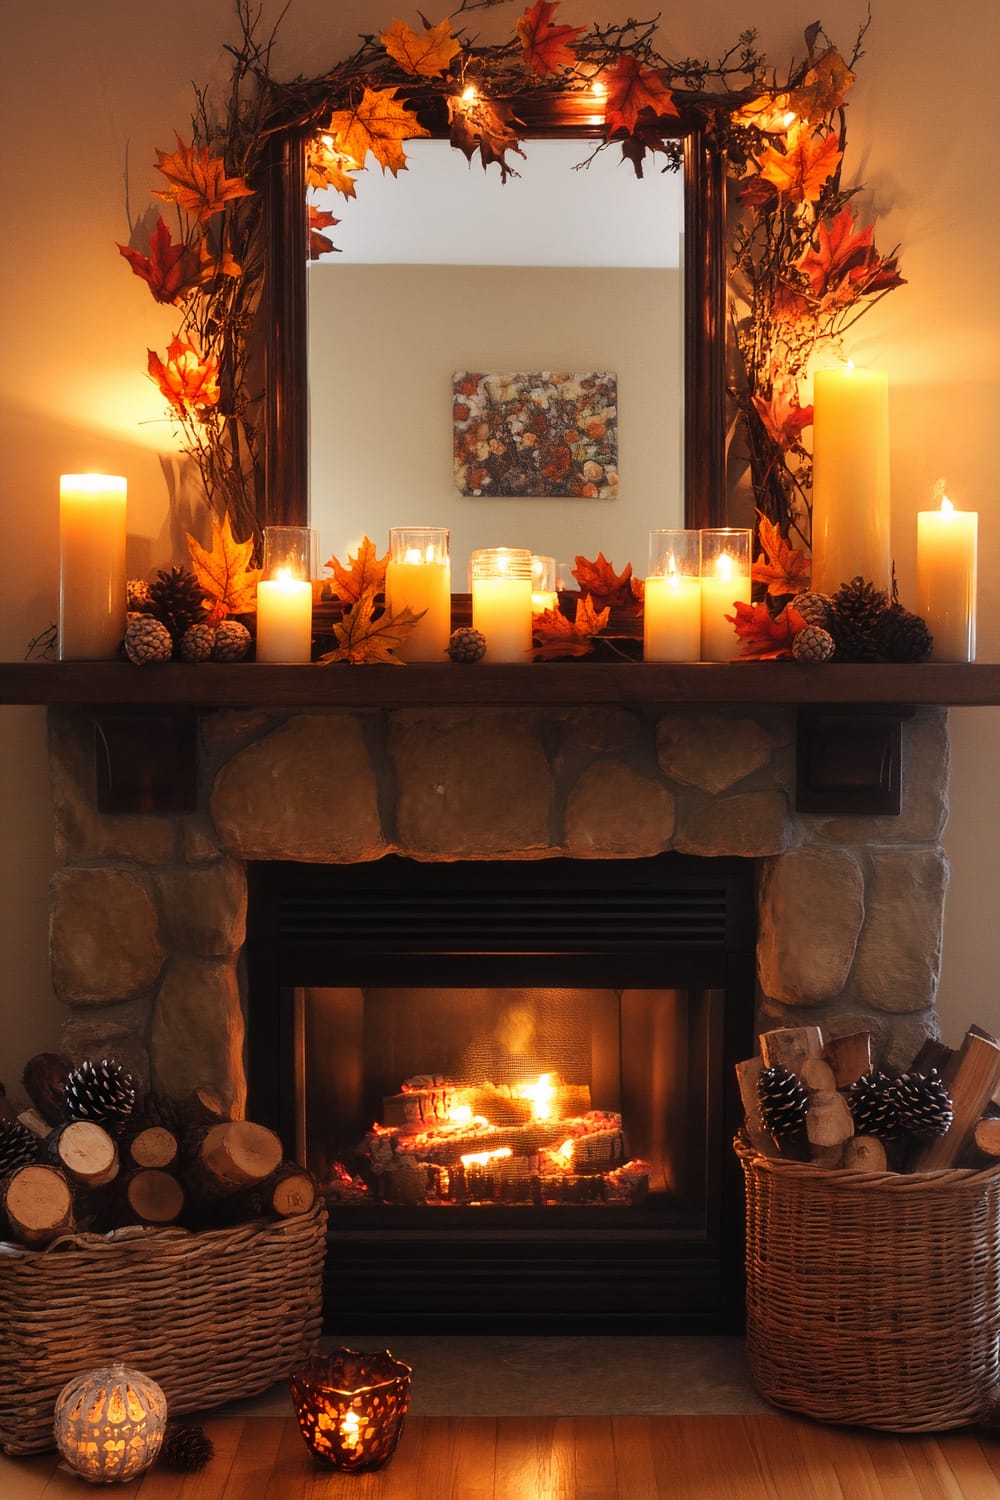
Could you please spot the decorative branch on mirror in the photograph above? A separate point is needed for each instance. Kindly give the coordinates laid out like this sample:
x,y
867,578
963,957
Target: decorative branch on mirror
x,y
800,268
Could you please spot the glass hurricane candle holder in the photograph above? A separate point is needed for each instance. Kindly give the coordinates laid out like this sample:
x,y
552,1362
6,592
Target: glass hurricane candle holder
x,y
418,577
671,612
285,595
351,1406
501,601
543,584
726,553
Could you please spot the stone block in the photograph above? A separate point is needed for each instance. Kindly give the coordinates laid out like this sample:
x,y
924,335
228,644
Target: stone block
x,y
81,832
748,824
104,941
898,962
711,751
305,791
204,908
118,1031
197,1031
811,909
613,812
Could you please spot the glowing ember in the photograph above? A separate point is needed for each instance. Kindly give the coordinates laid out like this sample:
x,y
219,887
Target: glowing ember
x,y
564,1153
483,1158
540,1093
460,1114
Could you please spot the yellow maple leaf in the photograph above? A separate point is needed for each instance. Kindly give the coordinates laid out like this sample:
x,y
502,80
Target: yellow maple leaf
x,y
364,639
198,181
785,569
225,574
823,88
801,172
365,570
427,52
378,124
326,166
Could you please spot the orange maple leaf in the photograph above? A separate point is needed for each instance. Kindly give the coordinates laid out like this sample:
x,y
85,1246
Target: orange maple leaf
x,y
225,574
379,124
365,570
765,637
785,569
421,53
189,382
366,637
326,166
802,171
170,270
486,126
631,89
198,181
546,47
781,413
556,636
603,584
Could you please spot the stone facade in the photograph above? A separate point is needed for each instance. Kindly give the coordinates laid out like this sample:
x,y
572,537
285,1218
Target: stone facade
x,y
148,913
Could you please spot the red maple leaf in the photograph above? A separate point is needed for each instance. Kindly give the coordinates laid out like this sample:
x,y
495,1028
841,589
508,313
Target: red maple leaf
x,y
320,243
765,637
170,270
546,47
607,588
781,413
631,89
839,248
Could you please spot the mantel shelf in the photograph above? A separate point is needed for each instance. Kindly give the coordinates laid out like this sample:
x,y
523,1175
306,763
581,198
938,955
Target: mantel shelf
x,y
549,684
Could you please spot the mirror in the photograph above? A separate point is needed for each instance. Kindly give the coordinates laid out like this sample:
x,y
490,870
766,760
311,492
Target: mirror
x,y
287,335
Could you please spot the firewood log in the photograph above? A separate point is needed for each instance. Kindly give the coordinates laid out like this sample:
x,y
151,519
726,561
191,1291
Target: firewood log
x,y
747,1076
38,1204
235,1155
972,1077
44,1080
789,1046
850,1057
865,1153
987,1135
84,1152
153,1146
149,1196
829,1126
816,1075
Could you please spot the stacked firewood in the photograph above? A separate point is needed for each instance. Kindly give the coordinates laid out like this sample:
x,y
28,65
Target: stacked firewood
x,y
92,1154
826,1101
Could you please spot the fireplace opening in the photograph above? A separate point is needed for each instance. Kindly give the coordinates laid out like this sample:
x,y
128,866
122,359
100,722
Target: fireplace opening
x,y
515,1081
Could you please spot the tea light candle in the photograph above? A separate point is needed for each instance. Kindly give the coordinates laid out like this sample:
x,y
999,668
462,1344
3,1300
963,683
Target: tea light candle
x,y
543,585
418,576
501,601
947,545
851,502
284,618
91,565
725,578
671,612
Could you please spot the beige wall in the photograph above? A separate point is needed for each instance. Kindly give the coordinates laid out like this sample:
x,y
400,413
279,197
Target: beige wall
x,y
82,83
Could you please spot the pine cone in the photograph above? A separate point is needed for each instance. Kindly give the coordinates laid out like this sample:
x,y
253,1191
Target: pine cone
x,y
186,1447
176,599
147,639
815,609
902,636
197,642
923,1104
873,1105
137,595
103,1092
232,641
783,1100
467,644
813,643
857,608
18,1146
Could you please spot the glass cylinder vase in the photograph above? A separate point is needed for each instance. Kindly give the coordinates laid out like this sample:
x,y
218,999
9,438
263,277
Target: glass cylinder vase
x,y
285,595
418,577
726,554
671,612
501,601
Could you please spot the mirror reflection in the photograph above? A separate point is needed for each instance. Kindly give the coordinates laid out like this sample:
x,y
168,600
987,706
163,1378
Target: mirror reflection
x,y
445,269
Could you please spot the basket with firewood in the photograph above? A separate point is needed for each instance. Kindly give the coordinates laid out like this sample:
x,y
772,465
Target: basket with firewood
x,y
873,1230
148,1231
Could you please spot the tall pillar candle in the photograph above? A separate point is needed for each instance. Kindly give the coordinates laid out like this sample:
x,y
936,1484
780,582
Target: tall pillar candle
x,y
851,500
418,577
91,566
725,578
501,602
947,545
671,610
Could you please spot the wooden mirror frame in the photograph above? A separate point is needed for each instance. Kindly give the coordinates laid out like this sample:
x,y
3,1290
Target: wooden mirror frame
x,y
283,311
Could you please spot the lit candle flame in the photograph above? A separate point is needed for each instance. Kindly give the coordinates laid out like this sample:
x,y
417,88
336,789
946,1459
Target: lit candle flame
x,y
350,1430
725,565
947,508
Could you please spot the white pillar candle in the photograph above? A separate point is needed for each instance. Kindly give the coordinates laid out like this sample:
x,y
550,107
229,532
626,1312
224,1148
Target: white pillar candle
x,y
501,602
671,618
284,619
947,543
851,502
91,565
418,576
725,578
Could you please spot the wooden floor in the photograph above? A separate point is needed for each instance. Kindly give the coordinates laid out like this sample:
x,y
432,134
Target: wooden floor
x,y
568,1458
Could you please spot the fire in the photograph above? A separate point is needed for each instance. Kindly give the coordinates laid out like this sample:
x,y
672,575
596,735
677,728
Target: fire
x,y
460,1114
483,1158
564,1153
541,1094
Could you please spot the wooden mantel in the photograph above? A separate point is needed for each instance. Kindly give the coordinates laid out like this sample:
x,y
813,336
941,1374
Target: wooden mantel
x,y
537,684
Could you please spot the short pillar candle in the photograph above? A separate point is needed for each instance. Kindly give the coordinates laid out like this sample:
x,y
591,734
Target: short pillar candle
x,y
91,566
851,498
947,545
725,579
501,601
285,596
671,611
418,577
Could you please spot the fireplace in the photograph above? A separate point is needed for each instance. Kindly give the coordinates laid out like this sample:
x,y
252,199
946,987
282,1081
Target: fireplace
x,y
515,1082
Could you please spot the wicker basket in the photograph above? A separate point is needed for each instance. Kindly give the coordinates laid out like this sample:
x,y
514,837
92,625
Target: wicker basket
x,y
873,1297
211,1316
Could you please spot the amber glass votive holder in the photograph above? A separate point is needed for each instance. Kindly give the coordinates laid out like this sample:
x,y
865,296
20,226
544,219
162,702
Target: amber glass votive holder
x,y
351,1406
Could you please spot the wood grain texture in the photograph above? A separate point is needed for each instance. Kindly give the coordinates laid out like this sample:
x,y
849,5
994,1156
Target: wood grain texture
x,y
772,1457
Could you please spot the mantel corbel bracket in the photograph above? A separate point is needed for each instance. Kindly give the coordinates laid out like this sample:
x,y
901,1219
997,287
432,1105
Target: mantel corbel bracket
x,y
849,760
146,759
